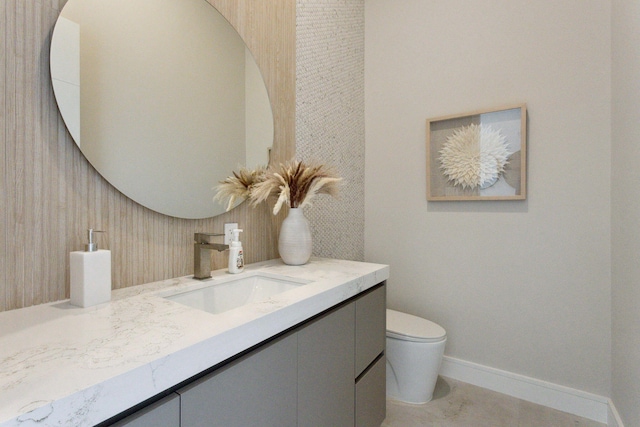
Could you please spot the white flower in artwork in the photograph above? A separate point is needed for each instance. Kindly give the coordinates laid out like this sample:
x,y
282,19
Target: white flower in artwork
x,y
474,156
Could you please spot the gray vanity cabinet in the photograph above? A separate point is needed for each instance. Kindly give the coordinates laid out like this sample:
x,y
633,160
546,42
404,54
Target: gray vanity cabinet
x,y
329,371
371,326
325,370
370,362
163,413
371,396
341,365
258,389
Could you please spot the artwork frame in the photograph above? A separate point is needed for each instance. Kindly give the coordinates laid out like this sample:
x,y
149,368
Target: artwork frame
x,y
454,169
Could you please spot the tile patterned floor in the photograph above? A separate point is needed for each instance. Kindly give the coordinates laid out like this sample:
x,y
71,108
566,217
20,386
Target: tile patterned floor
x,y
457,404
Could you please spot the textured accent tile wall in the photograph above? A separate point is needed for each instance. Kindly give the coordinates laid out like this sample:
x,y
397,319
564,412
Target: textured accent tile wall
x,y
330,117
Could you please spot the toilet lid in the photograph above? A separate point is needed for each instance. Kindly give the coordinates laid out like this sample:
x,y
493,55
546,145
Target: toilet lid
x,y
413,328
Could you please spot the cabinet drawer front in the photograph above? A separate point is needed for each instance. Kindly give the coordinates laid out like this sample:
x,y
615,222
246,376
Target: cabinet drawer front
x,y
371,326
371,403
325,370
164,413
257,390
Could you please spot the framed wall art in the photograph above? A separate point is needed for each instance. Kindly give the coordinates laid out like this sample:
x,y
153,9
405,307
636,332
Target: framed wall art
x,y
478,156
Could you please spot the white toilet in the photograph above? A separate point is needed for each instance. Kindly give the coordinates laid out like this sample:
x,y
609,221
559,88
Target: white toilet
x,y
414,351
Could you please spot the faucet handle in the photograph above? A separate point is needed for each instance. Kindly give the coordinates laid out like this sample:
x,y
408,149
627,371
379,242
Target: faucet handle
x,y
203,238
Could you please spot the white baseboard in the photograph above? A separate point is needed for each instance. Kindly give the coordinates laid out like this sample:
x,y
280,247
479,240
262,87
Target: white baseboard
x,y
613,416
577,402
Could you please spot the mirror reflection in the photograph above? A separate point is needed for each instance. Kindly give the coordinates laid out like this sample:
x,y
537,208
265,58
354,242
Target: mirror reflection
x,y
162,97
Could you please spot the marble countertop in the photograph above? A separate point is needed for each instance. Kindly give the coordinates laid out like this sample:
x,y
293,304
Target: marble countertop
x,y
62,365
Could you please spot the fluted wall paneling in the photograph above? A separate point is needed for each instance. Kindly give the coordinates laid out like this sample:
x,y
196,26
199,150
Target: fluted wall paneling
x,y
51,194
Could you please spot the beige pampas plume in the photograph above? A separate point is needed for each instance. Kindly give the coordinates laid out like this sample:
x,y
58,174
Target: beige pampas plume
x,y
295,183
238,186
323,185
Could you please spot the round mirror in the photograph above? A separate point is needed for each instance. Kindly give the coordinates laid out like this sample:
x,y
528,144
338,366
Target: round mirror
x,y
162,97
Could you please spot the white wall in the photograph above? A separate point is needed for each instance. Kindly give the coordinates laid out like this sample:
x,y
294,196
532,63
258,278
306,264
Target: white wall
x,y
519,286
625,191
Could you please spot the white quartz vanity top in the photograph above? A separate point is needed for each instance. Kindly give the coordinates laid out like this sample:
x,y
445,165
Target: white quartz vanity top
x,y
62,365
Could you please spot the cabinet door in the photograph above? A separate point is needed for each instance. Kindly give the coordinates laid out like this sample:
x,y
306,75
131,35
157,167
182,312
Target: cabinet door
x,y
163,413
371,403
326,370
371,326
258,389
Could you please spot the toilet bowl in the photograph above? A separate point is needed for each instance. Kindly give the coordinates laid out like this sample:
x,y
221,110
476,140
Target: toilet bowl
x,y
414,351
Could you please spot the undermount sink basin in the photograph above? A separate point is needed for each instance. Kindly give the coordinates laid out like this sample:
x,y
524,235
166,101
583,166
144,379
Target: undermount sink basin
x,y
224,296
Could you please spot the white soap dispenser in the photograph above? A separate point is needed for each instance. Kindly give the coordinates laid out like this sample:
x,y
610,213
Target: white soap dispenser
x,y
90,272
236,257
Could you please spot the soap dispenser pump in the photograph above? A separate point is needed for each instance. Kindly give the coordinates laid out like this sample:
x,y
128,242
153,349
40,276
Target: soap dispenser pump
x,y
90,272
236,256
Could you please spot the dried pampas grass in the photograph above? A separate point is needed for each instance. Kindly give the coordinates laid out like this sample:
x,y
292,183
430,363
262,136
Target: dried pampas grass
x,y
238,186
295,183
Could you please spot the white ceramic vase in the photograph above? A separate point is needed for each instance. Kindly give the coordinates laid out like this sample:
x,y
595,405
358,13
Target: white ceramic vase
x,y
294,243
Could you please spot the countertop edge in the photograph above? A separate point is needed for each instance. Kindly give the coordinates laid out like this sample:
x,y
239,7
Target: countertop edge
x,y
106,399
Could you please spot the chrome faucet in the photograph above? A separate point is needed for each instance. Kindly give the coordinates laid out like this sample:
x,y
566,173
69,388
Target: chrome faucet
x,y
202,254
